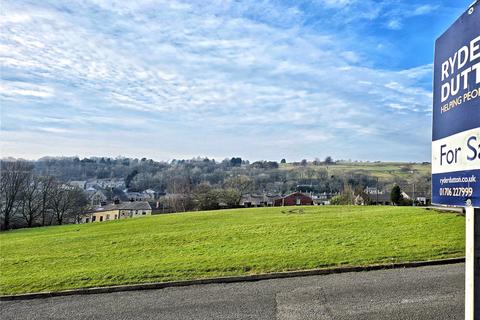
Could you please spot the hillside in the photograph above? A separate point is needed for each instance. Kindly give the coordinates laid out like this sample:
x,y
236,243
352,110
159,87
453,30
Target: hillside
x,y
268,176
386,172
377,169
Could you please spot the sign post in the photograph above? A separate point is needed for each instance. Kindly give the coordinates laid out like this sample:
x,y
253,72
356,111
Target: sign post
x,y
476,266
472,264
456,137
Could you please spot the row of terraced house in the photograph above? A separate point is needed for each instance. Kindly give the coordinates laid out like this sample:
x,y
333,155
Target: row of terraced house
x,y
118,210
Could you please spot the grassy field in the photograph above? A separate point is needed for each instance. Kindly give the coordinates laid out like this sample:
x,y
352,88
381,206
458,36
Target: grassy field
x,y
222,243
381,170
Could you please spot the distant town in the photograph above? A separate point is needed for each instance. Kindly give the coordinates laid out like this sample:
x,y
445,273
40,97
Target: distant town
x,y
73,190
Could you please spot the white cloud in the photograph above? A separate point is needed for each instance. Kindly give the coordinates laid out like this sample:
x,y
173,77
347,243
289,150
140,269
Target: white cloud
x,y
424,9
350,56
419,72
13,88
152,62
394,24
337,3
396,15
397,106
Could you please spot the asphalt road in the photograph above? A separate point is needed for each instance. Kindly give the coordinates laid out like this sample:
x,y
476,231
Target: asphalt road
x,y
434,292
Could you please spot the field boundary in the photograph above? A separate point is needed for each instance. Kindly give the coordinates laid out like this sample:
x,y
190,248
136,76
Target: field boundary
x,y
246,278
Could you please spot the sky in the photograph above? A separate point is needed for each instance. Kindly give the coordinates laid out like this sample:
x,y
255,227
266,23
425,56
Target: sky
x,y
257,79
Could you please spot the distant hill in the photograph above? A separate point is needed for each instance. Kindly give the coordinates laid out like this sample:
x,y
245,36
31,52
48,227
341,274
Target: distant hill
x,y
178,176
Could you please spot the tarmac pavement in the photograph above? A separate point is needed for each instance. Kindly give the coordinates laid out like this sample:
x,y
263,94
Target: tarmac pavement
x,y
433,292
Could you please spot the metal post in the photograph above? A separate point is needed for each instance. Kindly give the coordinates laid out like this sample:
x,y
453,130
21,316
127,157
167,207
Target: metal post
x,y
472,264
476,267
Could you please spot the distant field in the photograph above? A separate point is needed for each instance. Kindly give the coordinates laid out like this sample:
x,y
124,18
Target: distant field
x,y
382,170
222,243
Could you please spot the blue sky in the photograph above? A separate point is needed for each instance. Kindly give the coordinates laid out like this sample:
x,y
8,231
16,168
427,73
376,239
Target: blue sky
x,y
255,79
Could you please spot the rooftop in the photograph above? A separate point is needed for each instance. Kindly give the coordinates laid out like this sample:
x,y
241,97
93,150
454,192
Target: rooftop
x,y
129,205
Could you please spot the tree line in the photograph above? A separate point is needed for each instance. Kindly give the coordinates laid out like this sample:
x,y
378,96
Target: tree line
x,y
28,199
169,177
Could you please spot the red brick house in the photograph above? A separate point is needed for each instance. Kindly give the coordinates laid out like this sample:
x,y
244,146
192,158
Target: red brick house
x,y
294,199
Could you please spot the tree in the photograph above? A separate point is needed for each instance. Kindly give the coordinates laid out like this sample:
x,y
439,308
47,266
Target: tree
x,y
241,183
179,202
236,162
230,197
396,195
31,200
14,176
66,201
46,186
180,188
142,181
328,160
59,201
283,161
130,177
79,203
206,197
347,197
340,199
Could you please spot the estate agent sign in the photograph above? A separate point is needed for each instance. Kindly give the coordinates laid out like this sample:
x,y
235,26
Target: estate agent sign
x,y
456,137
456,114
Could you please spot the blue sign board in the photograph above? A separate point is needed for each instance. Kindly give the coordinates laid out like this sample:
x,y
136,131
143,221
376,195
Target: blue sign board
x,y
456,113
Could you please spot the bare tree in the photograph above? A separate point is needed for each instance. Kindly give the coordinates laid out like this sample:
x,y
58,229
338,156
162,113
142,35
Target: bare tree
x,y
230,197
14,176
206,197
30,200
181,189
67,202
79,203
241,183
59,201
47,185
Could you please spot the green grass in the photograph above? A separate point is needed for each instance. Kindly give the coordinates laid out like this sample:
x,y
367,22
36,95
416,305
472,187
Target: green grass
x,y
381,170
222,243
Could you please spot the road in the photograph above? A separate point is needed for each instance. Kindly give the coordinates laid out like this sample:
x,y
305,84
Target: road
x,y
434,292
